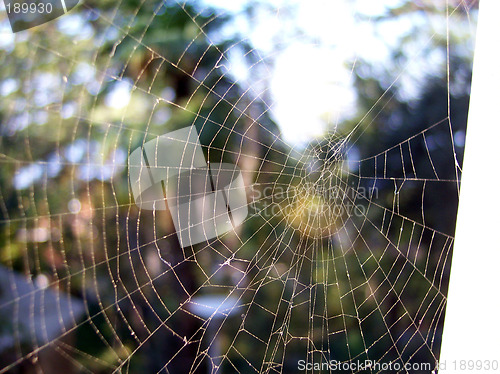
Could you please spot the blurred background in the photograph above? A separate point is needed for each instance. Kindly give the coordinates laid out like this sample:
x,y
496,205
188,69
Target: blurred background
x,y
347,119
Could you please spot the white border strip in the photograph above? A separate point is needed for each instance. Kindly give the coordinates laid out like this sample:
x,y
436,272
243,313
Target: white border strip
x,y
64,6
472,323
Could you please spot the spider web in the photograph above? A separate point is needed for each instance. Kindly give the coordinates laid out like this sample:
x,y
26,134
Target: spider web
x,y
344,257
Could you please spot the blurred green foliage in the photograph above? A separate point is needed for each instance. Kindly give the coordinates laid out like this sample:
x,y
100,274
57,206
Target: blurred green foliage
x,y
58,118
